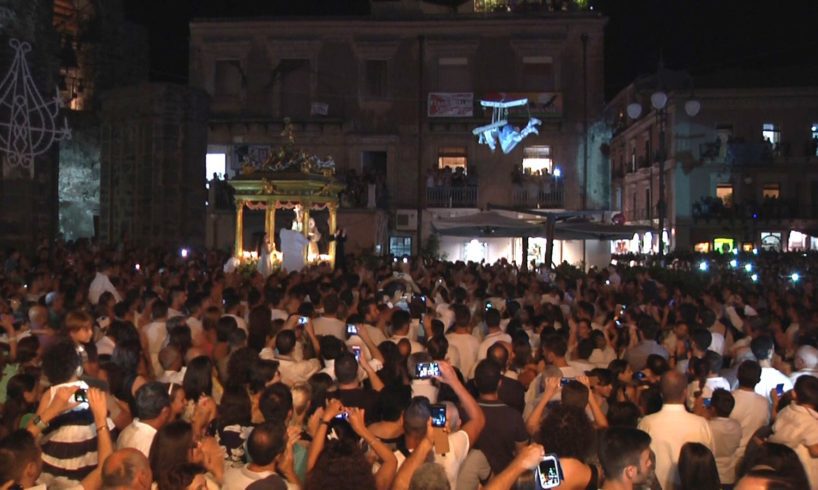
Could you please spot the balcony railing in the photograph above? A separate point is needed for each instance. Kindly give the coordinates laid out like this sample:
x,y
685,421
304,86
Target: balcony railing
x,y
552,197
451,197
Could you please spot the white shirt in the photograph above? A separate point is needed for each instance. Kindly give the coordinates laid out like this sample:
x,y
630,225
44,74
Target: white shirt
x,y
751,411
670,428
240,322
467,347
101,284
137,435
241,478
292,371
488,341
196,330
156,332
794,376
105,346
451,461
277,314
602,357
173,376
416,347
425,387
797,427
716,343
726,441
375,334
710,385
325,325
770,378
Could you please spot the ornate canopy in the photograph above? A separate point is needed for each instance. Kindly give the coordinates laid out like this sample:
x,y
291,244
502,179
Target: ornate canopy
x,y
287,179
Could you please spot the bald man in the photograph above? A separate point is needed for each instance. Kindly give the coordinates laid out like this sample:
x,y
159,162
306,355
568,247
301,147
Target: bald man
x,y
672,426
126,469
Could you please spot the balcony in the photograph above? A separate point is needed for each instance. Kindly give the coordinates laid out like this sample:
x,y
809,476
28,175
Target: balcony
x,y
771,209
545,197
451,197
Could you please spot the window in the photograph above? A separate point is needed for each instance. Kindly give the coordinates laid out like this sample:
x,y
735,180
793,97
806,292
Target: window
x,y
771,133
814,138
453,75
453,157
373,163
771,241
537,160
538,73
227,78
724,132
295,87
648,153
375,78
633,156
725,193
215,164
400,246
648,206
771,191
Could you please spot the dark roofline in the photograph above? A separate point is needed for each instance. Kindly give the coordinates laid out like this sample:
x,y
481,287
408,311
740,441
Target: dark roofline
x,y
583,15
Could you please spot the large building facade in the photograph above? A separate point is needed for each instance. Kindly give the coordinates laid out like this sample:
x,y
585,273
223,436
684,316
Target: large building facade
x,y
394,100
742,173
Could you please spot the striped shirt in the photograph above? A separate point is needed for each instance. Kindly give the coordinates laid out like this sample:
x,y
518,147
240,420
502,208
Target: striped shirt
x,y
69,443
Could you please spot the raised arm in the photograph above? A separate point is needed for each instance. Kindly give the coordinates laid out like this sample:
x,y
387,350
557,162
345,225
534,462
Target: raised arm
x,y
475,414
526,460
334,407
414,461
389,464
99,407
532,423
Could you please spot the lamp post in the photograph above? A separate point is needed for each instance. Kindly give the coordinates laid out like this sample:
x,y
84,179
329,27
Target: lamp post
x,y
659,100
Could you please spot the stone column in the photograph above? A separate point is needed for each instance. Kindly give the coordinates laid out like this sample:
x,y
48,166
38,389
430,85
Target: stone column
x,y
239,246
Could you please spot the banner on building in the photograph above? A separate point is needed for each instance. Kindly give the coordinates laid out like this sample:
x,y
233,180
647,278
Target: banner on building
x,y
540,104
450,104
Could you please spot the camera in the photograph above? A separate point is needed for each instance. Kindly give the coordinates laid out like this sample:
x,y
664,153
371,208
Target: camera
x,y
342,416
302,320
779,389
426,370
438,415
81,396
549,472
707,402
639,376
352,329
357,351
565,381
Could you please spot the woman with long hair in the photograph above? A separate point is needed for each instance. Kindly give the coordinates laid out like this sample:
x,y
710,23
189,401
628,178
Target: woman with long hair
x,y
697,468
233,424
174,445
567,432
623,388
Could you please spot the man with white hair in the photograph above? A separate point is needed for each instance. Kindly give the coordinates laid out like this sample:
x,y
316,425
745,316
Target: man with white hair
x,y
806,362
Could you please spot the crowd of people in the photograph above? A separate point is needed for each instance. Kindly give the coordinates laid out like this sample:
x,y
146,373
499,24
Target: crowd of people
x,y
127,368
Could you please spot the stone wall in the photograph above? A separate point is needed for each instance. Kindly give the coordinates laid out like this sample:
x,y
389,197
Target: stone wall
x,y
153,146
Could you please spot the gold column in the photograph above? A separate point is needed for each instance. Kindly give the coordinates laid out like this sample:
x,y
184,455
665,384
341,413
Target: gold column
x,y
333,224
306,230
272,232
268,213
239,246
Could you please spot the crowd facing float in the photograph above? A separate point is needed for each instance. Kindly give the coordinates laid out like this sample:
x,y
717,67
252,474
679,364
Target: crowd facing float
x,y
132,368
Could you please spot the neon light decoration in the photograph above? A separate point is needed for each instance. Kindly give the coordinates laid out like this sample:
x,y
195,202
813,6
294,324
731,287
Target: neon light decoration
x,y
28,127
500,130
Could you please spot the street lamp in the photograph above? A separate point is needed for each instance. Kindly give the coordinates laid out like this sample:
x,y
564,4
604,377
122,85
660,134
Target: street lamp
x,y
659,101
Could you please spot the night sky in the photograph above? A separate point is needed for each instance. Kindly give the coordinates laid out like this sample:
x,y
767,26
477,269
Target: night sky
x,y
757,43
